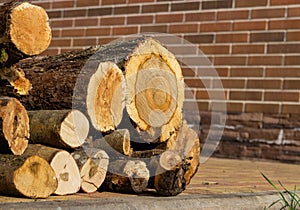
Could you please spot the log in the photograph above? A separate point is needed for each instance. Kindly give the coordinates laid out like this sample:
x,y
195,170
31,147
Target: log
x,y
26,176
64,129
93,164
24,32
14,126
63,164
115,144
126,176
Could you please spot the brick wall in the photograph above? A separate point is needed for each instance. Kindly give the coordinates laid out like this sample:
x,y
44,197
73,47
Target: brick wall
x,y
254,46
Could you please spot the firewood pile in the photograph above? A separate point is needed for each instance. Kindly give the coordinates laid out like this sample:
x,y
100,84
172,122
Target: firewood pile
x,y
106,118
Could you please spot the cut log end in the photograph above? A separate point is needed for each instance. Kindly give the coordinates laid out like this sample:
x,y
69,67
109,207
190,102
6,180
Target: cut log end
x,y
74,129
105,97
15,125
35,178
29,29
67,173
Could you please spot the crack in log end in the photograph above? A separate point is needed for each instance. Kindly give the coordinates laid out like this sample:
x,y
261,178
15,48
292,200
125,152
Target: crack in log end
x,y
64,176
35,168
93,169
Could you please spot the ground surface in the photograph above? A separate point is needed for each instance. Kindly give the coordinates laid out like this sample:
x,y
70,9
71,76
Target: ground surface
x,y
219,184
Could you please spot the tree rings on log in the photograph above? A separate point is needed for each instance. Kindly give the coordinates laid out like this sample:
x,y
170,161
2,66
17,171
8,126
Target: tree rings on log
x,y
63,129
27,176
64,166
14,126
93,164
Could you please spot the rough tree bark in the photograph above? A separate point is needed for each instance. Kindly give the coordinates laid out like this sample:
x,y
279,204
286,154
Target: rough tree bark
x,y
29,176
24,31
93,164
63,164
64,129
14,126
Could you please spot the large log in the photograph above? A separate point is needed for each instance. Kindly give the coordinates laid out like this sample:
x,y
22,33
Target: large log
x,y
26,176
24,31
63,164
93,164
126,176
14,126
64,129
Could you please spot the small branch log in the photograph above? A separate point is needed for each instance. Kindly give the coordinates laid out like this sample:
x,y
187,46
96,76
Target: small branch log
x,y
27,176
14,126
115,144
63,164
126,176
62,129
93,164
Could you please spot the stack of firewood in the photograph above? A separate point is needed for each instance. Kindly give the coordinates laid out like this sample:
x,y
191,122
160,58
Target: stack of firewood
x,y
104,118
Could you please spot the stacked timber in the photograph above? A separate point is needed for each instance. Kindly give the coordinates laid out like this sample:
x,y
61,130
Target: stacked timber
x,y
103,118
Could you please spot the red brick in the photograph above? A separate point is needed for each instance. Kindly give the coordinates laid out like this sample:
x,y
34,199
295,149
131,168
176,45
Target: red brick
x,y
232,37
281,96
86,22
193,60
126,10
265,60
154,28
184,28
284,48
99,11
155,8
291,108
45,5
233,15
214,27
263,84
291,84
140,19
284,24
99,31
249,25
293,36
106,40
283,72
112,2
188,72
112,21
215,49
262,107
211,94
85,42
292,60
267,37
159,18
201,38
186,6
246,72
72,32
285,2
62,4
268,13
198,83
217,4
230,60
183,50
74,13
248,49
138,1
252,3
55,33
54,14
60,42
50,51
245,95
61,23
294,12
124,30
231,83
234,107
87,3
200,16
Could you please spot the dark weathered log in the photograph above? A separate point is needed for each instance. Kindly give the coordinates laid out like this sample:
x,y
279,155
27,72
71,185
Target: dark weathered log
x,y
24,31
26,176
63,164
126,176
14,126
93,164
64,129
115,144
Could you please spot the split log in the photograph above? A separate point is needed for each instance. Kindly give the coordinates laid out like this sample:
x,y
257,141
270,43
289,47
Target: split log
x,y
115,144
63,164
14,126
26,176
93,164
24,32
126,176
64,129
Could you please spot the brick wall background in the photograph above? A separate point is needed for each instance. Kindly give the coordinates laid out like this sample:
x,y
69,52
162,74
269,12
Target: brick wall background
x,y
253,44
